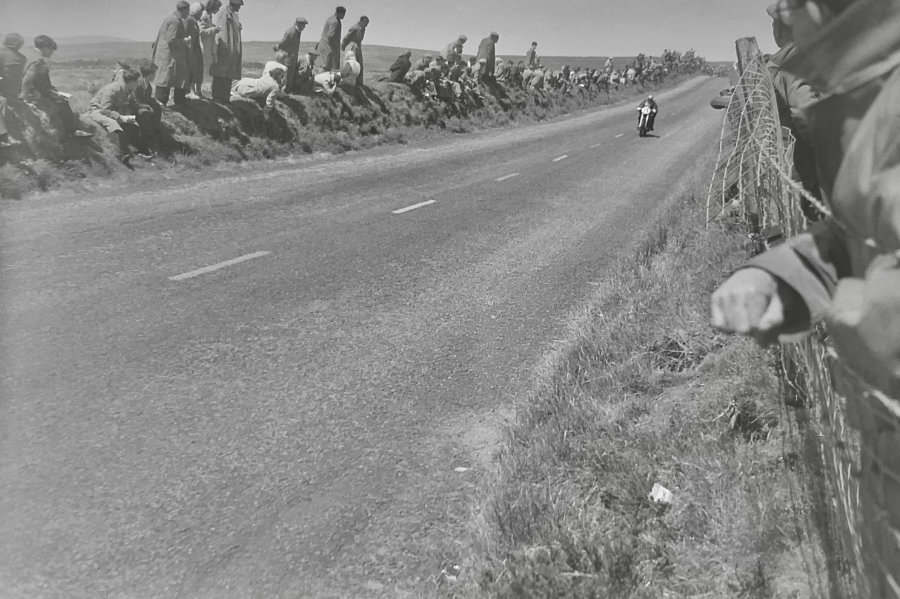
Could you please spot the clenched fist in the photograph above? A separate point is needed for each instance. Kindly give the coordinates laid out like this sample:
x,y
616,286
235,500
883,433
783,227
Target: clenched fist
x,y
754,303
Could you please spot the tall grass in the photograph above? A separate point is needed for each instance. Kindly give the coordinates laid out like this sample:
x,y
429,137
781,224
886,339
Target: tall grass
x,y
643,392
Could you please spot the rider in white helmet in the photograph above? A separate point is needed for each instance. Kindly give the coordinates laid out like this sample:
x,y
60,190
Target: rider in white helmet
x,y
654,109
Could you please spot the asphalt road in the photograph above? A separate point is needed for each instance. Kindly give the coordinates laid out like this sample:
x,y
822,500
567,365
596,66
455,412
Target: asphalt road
x,y
267,382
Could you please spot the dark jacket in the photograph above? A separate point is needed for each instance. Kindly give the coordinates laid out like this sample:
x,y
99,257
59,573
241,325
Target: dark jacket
x,y
487,51
400,68
36,84
847,269
290,43
229,63
12,69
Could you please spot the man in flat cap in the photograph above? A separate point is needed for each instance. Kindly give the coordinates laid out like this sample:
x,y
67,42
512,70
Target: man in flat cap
x,y
454,52
487,56
170,54
329,47
355,35
290,44
229,51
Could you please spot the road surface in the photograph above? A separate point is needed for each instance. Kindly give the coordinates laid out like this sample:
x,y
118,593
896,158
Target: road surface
x,y
284,380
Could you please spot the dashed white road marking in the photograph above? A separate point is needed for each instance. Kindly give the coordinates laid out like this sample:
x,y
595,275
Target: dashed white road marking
x,y
560,158
507,177
208,269
597,145
414,207
620,135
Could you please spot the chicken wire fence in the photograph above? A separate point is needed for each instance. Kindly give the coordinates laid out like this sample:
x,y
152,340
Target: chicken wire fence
x,y
842,440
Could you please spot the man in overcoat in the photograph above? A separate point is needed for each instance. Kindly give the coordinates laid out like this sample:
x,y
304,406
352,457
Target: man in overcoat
x,y
355,35
487,56
290,44
329,47
170,53
229,51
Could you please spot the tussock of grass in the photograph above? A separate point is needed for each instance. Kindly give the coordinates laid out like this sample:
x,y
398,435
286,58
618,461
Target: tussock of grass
x,y
643,392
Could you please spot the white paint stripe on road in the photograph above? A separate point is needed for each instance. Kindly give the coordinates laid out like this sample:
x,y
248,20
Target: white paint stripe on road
x,y
507,177
561,158
414,207
620,135
597,145
219,266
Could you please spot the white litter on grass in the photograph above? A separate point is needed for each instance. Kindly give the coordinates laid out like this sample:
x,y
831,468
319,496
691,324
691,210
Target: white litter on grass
x,y
660,494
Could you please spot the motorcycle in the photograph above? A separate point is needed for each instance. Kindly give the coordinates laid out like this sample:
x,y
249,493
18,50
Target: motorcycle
x,y
644,121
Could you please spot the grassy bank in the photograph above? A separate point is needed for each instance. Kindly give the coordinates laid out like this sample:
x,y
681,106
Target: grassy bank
x,y
642,392
203,134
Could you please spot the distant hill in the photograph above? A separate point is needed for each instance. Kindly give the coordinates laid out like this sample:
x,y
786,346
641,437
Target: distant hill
x,y
91,39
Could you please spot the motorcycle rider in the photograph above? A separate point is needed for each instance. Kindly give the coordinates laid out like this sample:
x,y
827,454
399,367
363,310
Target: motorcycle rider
x,y
654,108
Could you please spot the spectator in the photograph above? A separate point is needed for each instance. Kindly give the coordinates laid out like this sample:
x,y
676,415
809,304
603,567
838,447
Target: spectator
x,y
845,270
351,68
149,111
228,66
306,73
38,91
327,81
290,44
266,88
170,53
487,57
531,57
501,74
794,96
329,48
454,52
115,110
208,31
401,67
12,67
355,36
195,49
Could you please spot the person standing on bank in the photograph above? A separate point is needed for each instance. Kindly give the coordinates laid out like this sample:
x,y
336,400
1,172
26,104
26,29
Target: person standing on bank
x,y
487,57
355,35
170,54
229,51
290,44
195,49
329,48
208,31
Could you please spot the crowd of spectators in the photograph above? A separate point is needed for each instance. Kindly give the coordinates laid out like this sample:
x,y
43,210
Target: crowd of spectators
x,y
202,42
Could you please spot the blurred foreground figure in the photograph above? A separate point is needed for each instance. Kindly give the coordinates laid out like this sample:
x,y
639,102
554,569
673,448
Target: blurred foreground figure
x,y
38,91
846,269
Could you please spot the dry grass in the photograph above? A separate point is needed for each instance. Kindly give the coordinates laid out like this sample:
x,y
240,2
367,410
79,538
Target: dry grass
x,y
643,392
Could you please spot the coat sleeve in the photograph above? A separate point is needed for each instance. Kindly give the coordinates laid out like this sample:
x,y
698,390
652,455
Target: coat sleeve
x,y
170,35
104,102
286,40
864,318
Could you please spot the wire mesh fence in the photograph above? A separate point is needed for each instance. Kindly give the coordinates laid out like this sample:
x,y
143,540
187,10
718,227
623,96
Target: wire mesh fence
x,y
843,437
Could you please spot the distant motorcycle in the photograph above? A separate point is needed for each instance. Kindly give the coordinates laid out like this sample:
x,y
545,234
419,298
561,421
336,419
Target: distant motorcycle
x,y
644,121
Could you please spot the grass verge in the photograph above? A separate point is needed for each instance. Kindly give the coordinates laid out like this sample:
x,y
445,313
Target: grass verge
x,y
642,391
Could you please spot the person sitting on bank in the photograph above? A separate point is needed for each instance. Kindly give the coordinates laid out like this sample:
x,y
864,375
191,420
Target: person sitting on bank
x,y
400,68
114,109
264,89
305,82
39,93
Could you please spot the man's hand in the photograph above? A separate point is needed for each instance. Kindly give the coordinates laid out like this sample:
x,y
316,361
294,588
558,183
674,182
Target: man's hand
x,y
753,303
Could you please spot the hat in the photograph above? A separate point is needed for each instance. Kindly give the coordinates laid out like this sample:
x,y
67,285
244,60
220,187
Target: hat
x,y
301,21
464,38
196,7
14,41
183,5
494,34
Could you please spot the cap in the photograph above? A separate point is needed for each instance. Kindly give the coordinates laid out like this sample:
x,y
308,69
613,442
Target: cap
x,y
301,21
464,38
14,41
183,5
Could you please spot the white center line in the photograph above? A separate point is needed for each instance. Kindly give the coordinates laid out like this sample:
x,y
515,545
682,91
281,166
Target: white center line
x,y
596,146
561,158
507,177
414,207
620,135
219,266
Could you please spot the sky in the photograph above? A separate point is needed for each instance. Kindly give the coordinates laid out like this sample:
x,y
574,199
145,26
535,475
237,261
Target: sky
x,y
564,28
